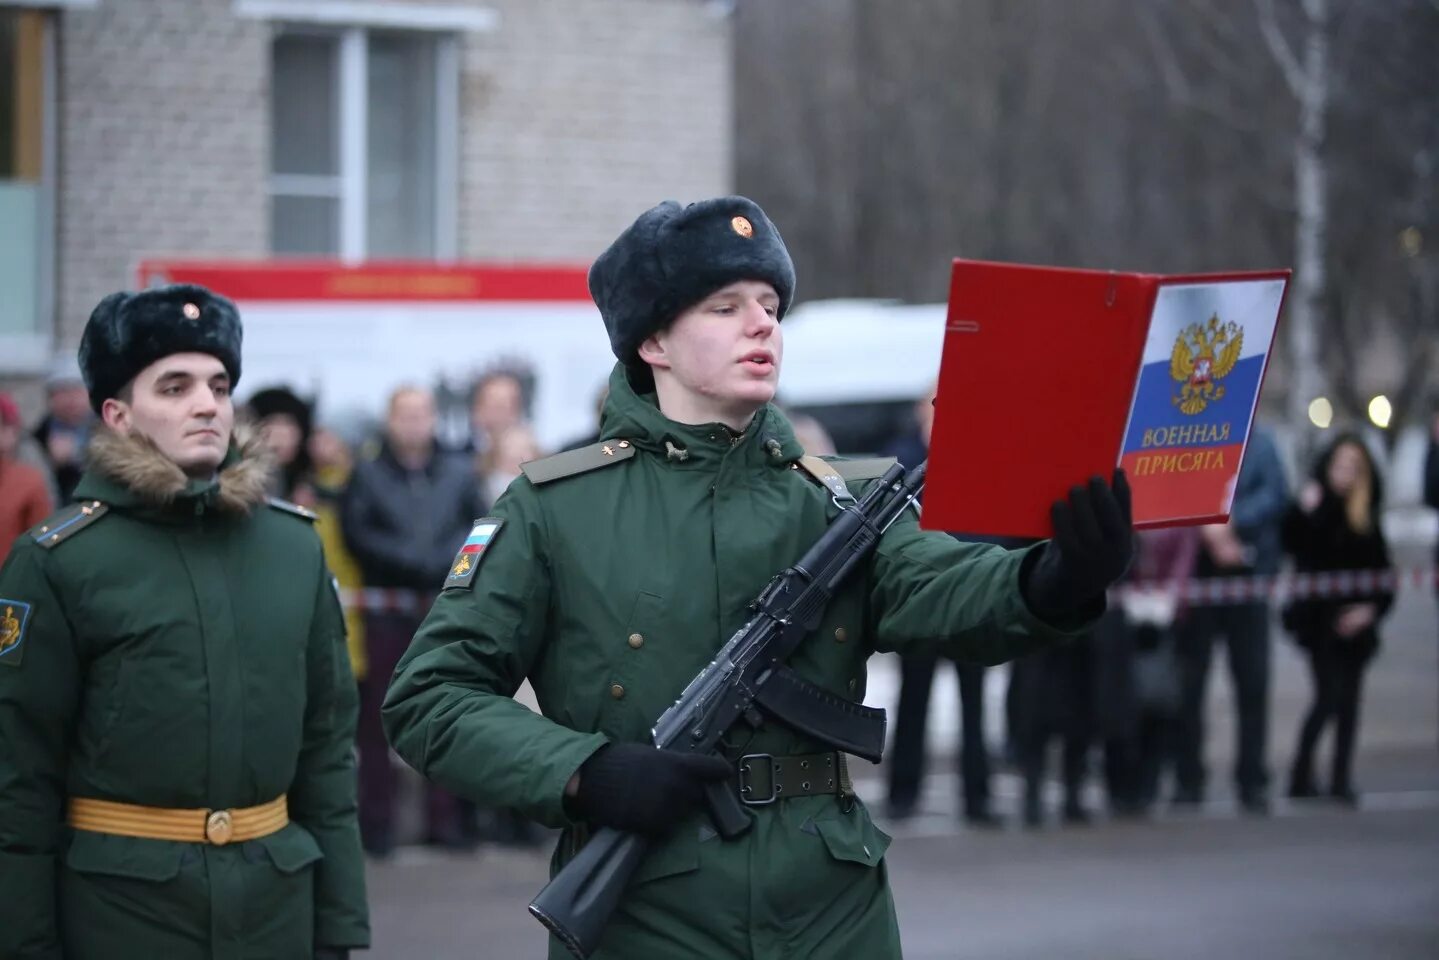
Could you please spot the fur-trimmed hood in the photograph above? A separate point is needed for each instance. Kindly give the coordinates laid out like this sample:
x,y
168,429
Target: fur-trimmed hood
x,y
135,464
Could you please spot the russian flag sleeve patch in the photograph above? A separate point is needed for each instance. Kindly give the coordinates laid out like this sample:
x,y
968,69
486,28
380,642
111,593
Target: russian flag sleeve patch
x,y
467,561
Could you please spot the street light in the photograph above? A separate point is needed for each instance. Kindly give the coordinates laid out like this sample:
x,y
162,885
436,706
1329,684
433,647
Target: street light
x,y
1411,242
1381,411
1321,412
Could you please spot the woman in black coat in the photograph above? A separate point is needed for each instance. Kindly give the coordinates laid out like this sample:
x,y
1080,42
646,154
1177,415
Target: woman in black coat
x,y
1335,526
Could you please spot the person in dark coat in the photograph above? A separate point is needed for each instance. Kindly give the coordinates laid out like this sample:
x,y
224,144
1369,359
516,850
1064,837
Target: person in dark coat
x,y
1054,700
1138,672
500,401
1335,526
406,511
1247,545
285,421
907,759
64,434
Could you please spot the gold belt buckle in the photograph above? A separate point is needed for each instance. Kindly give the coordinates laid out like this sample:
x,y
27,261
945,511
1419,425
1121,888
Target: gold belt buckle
x,y
219,827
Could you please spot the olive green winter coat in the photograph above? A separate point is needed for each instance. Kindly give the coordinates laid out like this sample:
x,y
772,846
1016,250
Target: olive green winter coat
x,y
610,589
182,647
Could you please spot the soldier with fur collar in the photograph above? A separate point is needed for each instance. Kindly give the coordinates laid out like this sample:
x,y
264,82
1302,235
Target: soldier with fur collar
x,y
176,708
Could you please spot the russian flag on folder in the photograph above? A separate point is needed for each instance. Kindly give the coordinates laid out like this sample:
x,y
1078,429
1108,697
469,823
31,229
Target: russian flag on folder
x,y
1195,395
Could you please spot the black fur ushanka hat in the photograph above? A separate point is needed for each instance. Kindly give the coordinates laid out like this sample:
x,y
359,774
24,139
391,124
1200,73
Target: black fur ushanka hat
x,y
129,331
672,257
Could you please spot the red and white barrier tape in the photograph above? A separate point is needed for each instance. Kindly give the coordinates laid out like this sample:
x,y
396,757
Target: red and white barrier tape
x,y
1212,591
387,600
1326,584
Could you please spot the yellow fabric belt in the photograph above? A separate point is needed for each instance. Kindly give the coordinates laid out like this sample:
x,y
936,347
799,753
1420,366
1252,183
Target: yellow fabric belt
x,y
217,827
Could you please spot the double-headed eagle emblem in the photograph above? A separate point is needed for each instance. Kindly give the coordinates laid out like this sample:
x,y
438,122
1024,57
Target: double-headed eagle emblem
x,y
1203,355
9,629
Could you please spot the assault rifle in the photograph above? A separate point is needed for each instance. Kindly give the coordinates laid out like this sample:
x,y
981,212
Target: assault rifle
x,y
746,679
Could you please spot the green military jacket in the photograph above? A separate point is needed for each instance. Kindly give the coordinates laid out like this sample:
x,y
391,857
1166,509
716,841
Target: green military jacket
x,y
610,589
174,644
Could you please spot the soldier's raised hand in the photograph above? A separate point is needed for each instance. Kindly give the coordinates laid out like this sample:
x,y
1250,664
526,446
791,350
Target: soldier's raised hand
x,y
1092,547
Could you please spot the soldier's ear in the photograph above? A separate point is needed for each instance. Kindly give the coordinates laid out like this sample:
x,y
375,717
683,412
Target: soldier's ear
x,y
116,415
652,351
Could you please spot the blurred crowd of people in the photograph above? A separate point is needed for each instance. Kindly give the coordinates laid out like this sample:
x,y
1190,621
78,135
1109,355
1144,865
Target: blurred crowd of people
x,y
1126,701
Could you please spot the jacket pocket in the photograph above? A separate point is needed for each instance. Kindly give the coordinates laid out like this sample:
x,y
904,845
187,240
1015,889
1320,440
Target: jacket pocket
x,y
136,858
854,839
677,854
292,848
814,864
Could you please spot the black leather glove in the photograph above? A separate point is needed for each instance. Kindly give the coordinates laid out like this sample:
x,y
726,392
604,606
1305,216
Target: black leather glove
x,y
640,789
1092,547
332,953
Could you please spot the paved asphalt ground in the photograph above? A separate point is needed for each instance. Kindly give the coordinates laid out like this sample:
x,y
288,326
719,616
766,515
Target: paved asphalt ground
x,y
1312,882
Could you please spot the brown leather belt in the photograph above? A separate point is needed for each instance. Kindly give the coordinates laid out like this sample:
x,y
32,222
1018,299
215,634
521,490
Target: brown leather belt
x,y
217,827
764,778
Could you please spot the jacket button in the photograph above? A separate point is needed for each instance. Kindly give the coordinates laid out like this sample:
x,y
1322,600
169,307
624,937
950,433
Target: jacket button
x,y
839,635
636,640
617,691
852,685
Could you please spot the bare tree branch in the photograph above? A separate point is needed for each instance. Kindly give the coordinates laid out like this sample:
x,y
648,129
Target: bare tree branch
x,y
1279,48
1219,20
1221,45
1231,116
1181,89
1176,84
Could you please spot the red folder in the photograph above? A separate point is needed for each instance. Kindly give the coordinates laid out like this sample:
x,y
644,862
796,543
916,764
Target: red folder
x,y
1050,376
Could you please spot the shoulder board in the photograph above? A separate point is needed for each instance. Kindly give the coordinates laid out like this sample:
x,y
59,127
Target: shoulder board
x,y
286,506
68,522
581,460
871,468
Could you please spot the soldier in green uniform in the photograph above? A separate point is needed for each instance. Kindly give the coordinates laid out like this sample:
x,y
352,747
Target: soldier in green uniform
x,y
610,575
176,707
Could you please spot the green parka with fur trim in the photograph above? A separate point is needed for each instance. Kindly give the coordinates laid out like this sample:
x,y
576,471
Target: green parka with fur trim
x,y
185,650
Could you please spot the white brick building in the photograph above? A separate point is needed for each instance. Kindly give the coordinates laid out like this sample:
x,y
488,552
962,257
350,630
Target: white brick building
x,y
508,130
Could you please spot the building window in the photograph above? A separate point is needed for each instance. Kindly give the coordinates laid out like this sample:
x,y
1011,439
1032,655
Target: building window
x,y
26,188
362,146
